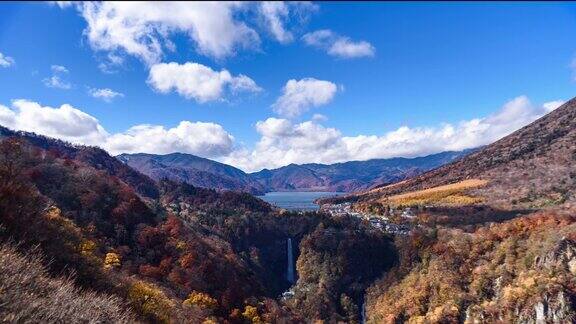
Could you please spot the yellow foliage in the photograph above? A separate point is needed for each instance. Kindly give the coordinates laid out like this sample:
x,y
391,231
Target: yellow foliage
x,y
150,301
251,314
451,194
87,247
112,260
181,245
201,300
53,212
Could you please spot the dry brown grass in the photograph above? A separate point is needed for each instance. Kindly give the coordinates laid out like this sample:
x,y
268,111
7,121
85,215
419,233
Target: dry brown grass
x,y
29,295
452,194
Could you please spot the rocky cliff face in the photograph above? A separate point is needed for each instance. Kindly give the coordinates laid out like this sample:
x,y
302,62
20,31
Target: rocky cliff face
x,y
553,306
550,308
562,256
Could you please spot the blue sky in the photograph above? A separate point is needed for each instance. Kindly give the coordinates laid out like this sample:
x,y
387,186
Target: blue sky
x,y
408,79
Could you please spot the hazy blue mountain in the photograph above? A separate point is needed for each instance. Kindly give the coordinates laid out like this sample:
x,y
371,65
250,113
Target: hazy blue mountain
x,y
350,176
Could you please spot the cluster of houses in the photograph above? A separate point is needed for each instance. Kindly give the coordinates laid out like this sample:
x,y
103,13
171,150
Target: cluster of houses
x,y
377,221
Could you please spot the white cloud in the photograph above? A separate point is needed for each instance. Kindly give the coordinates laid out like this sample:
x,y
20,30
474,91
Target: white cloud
x,y
142,29
105,94
348,49
197,81
337,45
274,13
73,125
57,80
204,139
552,105
218,29
64,122
6,61
283,142
59,69
298,96
319,117
277,14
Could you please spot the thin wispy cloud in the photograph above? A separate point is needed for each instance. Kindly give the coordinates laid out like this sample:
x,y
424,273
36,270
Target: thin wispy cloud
x,y
58,78
105,94
337,45
6,61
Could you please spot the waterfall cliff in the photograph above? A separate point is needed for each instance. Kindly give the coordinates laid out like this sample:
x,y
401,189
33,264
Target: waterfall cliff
x,y
290,263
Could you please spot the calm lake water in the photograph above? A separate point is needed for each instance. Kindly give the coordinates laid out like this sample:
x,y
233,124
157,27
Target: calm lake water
x,y
296,200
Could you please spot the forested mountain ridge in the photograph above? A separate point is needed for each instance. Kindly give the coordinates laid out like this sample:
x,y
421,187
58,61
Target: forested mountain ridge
x,y
93,156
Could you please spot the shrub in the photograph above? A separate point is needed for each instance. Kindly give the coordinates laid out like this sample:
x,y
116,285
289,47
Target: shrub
x,y
150,301
112,260
201,300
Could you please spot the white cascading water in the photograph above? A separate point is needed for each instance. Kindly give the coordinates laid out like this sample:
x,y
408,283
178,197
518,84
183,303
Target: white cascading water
x,y
290,272
363,312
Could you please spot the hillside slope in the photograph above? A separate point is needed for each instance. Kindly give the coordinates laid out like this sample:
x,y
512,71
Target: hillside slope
x,y
350,176
533,167
92,156
193,170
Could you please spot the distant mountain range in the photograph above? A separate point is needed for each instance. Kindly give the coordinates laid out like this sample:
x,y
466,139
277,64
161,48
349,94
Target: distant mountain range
x,y
350,176
343,177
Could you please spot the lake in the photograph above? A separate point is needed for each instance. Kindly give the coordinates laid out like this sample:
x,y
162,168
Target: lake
x,y
296,200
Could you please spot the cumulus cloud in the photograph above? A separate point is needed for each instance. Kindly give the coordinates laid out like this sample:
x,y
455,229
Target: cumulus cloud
x,y
552,105
6,61
105,94
337,45
73,125
298,96
58,78
142,29
204,139
218,29
197,81
64,122
283,142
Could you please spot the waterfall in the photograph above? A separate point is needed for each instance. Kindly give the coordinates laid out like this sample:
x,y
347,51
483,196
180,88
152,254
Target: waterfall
x,y
363,312
290,272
